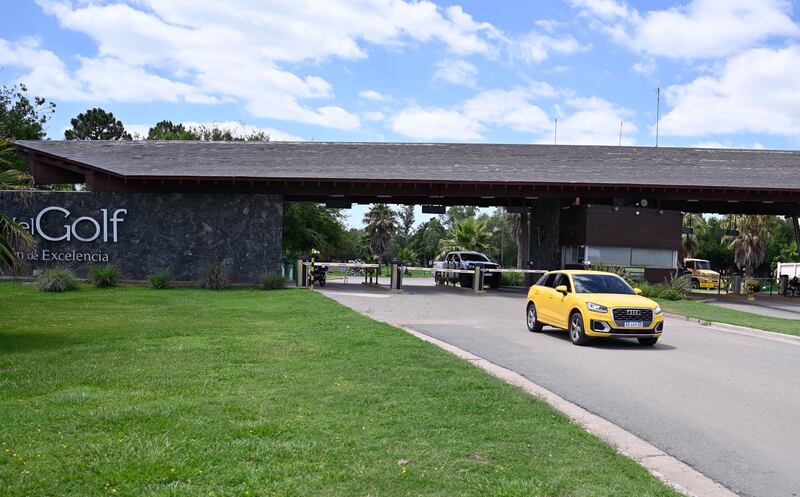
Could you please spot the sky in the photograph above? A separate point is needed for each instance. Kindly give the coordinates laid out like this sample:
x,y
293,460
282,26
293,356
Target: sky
x,y
394,70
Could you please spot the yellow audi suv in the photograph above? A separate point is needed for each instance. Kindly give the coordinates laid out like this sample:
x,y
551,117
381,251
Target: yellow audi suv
x,y
593,304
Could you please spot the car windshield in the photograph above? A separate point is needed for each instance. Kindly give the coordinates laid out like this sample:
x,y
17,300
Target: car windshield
x,y
702,265
474,257
601,283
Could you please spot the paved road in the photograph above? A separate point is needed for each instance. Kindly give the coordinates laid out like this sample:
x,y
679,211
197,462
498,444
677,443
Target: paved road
x,y
726,404
777,308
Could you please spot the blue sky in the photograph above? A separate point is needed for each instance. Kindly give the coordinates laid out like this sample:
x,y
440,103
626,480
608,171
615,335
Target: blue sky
x,y
391,70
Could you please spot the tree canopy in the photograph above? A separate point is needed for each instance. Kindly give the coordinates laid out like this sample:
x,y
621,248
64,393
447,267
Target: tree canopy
x,y
96,124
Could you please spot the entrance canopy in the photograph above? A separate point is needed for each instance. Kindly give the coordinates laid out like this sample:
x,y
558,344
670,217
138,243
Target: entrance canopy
x,y
686,179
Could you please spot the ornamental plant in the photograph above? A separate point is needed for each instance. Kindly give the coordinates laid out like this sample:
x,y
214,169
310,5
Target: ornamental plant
x,y
159,281
215,278
56,280
106,276
273,281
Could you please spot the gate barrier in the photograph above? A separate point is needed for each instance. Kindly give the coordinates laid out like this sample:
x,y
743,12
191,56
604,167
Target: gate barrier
x,y
301,279
397,270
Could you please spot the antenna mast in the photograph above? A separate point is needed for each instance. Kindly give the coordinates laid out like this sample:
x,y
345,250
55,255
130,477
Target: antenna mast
x,y
620,133
555,134
658,110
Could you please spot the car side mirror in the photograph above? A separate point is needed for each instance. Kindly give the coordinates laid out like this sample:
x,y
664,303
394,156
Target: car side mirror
x,y
637,291
562,289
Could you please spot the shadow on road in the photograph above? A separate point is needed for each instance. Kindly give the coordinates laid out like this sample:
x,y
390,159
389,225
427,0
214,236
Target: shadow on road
x,y
609,343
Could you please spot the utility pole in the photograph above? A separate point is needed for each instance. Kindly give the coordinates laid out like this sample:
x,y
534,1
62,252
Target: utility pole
x,y
658,110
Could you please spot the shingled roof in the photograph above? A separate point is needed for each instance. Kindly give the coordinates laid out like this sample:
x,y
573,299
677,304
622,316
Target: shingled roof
x,y
422,162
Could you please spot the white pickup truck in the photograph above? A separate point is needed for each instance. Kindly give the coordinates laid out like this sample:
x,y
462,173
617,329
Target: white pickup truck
x,y
467,261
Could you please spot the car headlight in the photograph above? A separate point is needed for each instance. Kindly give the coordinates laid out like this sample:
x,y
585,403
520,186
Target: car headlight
x,y
658,309
596,307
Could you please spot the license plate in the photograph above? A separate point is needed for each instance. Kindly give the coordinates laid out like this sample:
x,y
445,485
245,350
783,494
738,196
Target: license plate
x,y
633,324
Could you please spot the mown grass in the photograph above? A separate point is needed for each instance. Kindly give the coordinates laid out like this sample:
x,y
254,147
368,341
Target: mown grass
x,y
132,391
712,313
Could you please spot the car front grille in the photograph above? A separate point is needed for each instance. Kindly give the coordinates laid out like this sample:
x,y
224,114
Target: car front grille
x,y
623,314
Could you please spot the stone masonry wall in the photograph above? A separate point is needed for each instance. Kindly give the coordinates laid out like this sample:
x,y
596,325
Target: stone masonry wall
x,y
143,233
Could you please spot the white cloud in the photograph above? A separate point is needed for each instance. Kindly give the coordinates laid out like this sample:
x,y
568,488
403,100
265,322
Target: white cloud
x,y
372,95
727,144
536,47
754,92
456,72
586,120
697,29
594,121
373,116
196,52
435,124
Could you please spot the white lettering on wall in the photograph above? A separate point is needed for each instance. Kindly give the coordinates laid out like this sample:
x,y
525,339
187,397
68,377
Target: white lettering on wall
x,y
83,229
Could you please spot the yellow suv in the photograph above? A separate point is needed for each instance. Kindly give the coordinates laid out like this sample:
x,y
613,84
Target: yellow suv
x,y
593,304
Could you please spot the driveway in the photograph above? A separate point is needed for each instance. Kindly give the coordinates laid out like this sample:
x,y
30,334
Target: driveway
x,y
727,404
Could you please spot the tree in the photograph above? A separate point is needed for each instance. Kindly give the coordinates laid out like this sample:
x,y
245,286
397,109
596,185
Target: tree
x,y
166,130
406,216
309,226
21,118
425,240
466,234
96,124
749,245
407,256
13,237
690,244
380,226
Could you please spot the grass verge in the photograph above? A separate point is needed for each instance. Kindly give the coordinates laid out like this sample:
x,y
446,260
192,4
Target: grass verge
x,y
709,312
132,391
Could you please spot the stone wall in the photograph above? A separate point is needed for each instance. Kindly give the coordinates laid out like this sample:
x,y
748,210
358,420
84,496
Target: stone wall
x,y
143,233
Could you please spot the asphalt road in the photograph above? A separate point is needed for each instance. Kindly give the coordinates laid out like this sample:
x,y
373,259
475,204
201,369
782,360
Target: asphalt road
x,y
726,404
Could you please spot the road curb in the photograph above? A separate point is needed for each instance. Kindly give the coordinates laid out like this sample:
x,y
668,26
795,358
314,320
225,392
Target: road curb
x,y
666,468
739,330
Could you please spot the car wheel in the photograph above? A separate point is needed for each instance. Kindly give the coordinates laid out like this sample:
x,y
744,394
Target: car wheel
x,y
576,333
465,280
532,318
648,341
695,285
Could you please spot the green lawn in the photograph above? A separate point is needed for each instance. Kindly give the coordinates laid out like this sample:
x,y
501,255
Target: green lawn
x,y
708,312
137,392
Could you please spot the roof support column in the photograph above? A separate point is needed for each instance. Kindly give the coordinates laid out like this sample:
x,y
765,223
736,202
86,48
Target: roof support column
x,y
545,248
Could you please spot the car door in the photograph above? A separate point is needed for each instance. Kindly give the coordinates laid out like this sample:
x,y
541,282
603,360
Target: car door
x,y
543,297
561,303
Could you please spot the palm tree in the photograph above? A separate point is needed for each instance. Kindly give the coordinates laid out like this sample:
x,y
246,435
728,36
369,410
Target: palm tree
x,y
749,245
689,242
518,224
466,234
380,225
13,237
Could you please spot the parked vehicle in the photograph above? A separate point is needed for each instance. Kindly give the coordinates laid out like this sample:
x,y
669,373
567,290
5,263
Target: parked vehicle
x,y
593,304
317,275
792,288
701,274
467,261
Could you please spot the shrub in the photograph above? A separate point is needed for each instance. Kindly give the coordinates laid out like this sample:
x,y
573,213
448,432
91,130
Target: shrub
x,y
215,278
751,286
612,268
159,281
511,279
680,284
273,281
56,280
670,294
651,291
104,276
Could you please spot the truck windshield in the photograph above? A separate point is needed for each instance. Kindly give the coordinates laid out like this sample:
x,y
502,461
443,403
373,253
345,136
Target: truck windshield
x,y
474,257
702,265
601,283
